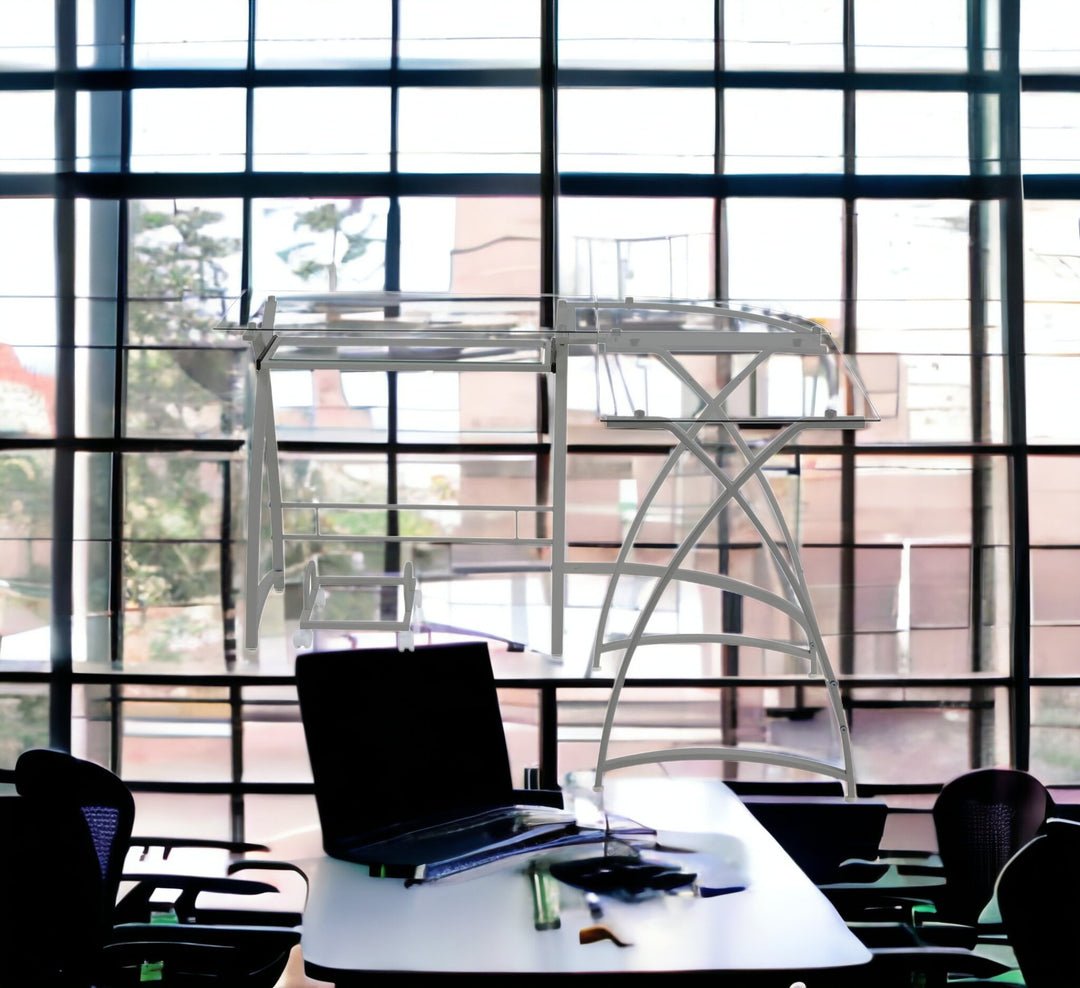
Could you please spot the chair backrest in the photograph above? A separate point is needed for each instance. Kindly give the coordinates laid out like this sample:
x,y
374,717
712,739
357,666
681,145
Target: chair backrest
x,y
399,736
1036,896
66,836
981,819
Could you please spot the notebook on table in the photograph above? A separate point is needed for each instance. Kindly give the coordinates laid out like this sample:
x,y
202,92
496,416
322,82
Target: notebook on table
x,y
411,770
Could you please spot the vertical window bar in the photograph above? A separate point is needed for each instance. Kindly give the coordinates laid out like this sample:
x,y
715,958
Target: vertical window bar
x,y
1012,254
63,505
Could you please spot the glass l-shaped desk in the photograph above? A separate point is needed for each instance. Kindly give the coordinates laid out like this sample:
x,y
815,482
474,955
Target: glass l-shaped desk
x,y
731,387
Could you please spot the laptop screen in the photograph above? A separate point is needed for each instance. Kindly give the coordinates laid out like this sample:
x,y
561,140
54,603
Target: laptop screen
x,y
399,738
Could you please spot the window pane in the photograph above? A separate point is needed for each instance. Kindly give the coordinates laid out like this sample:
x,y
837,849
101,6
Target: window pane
x,y
187,130
636,130
1055,756
488,32
783,34
921,34
322,129
769,261
1053,490
319,244
449,130
30,115
100,34
912,270
1049,135
330,34
1047,30
470,245
1051,277
183,270
911,133
804,134
26,483
98,118
27,391
636,33
193,34
29,35
643,248
24,720
913,499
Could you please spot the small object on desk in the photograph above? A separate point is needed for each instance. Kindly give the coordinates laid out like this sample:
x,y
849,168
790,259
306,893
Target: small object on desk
x,y
628,876
545,892
594,934
592,900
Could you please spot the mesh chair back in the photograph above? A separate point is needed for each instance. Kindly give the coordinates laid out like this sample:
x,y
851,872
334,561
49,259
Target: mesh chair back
x,y
981,820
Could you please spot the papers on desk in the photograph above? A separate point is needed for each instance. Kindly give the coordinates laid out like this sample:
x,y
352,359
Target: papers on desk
x,y
430,853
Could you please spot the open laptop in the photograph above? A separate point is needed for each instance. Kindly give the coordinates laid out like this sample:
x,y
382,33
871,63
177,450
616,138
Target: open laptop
x,y
409,759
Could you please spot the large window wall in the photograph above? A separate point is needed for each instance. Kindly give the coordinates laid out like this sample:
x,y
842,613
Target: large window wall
x,y
905,174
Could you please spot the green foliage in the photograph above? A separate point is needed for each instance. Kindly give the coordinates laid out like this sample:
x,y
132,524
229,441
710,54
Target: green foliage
x,y
332,219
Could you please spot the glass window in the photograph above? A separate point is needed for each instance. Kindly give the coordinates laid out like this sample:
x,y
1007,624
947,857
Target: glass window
x,y
470,245
329,34
319,244
923,34
783,34
900,133
194,34
450,130
636,33
645,248
322,129
484,33
787,254
1046,28
775,131
187,130
29,35
637,130
30,115
1049,135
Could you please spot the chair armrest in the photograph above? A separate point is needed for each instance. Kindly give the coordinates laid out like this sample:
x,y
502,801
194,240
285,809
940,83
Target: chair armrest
x,y
257,865
171,843
136,905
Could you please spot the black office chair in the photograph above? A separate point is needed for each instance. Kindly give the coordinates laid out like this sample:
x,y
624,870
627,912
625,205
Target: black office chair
x,y
981,819
1036,896
63,844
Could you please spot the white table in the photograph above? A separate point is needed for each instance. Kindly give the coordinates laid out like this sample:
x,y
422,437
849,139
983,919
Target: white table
x,y
780,925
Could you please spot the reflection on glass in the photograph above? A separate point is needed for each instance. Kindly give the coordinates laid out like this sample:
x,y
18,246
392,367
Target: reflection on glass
x,y
636,34
787,130
322,129
783,34
636,130
27,390
328,34
450,130
470,245
1053,490
192,34
899,133
482,32
30,115
319,244
919,34
187,130
659,248
893,495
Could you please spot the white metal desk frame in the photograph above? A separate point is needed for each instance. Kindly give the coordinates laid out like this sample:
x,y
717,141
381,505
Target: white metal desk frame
x,y
779,335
